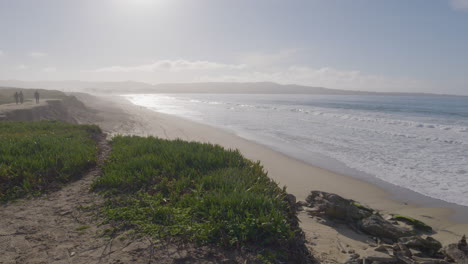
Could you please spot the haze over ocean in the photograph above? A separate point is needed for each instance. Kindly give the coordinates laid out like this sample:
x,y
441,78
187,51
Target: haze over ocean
x,y
419,143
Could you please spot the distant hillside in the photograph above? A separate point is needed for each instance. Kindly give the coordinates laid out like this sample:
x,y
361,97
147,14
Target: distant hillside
x,y
262,88
210,87
81,86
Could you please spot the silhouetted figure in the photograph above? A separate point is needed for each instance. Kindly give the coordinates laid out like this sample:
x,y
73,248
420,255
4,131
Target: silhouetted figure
x,y
16,97
21,97
36,95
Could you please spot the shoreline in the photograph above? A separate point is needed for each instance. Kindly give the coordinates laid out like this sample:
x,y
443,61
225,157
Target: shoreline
x,y
119,116
395,192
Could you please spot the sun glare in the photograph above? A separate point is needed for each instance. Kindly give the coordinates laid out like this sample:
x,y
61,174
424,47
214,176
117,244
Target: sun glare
x,y
138,7
143,2
139,3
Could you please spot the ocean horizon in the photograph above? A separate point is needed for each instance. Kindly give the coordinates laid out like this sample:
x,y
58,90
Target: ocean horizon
x,y
419,143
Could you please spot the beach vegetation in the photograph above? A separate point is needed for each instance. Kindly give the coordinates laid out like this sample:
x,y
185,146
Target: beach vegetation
x,y
196,192
39,156
363,207
83,227
417,224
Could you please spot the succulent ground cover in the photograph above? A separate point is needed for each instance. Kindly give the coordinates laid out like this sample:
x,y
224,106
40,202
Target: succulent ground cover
x,y
198,193
38,156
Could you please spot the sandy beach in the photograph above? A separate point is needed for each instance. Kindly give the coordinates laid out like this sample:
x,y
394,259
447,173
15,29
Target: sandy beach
x,y
328,241
118,116
159,131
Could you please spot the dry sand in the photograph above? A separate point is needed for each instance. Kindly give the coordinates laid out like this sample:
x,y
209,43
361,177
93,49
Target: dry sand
x,y
64,226
48,228
117,116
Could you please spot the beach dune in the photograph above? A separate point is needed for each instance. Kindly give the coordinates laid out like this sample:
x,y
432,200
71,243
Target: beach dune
x,y
116,115
329,242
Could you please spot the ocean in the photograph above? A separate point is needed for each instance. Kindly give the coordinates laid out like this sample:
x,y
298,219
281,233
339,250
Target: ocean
x,y
419,143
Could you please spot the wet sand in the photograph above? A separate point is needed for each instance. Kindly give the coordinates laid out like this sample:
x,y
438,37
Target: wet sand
x,y
118,116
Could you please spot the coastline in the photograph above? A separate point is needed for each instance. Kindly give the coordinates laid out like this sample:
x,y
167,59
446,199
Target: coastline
x,y
459,213
119,116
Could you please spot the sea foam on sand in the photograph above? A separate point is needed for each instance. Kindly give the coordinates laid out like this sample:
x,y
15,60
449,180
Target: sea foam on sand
x,y
397,140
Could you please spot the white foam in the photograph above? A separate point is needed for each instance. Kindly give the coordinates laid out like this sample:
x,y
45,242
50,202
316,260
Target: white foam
x,y
426,155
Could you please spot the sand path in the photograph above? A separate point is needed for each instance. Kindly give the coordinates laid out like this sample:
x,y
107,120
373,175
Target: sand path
x,y
52,229
55,228
328,243
26,105
65,227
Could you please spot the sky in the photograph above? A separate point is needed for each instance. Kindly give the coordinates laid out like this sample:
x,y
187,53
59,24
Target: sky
x,y
372,45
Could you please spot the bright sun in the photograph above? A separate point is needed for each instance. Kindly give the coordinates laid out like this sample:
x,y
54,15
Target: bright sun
x,y
143,2
139,3
139,6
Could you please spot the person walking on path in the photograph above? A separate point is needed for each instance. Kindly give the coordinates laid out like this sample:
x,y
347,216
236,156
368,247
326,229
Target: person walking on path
x,y
21,97
36,95
16,97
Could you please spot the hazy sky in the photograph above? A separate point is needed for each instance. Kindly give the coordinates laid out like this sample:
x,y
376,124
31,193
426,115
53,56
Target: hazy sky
x,y
380,45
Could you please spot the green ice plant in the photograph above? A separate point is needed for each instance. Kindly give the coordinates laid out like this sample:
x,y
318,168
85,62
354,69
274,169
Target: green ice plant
x,y
38,156
196,192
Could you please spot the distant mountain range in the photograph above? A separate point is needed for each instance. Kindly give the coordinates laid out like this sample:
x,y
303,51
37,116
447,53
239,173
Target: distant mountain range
x,y
210,87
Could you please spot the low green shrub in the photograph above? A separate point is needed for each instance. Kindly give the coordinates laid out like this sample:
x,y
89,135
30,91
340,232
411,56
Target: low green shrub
x,y
36,156
196,192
